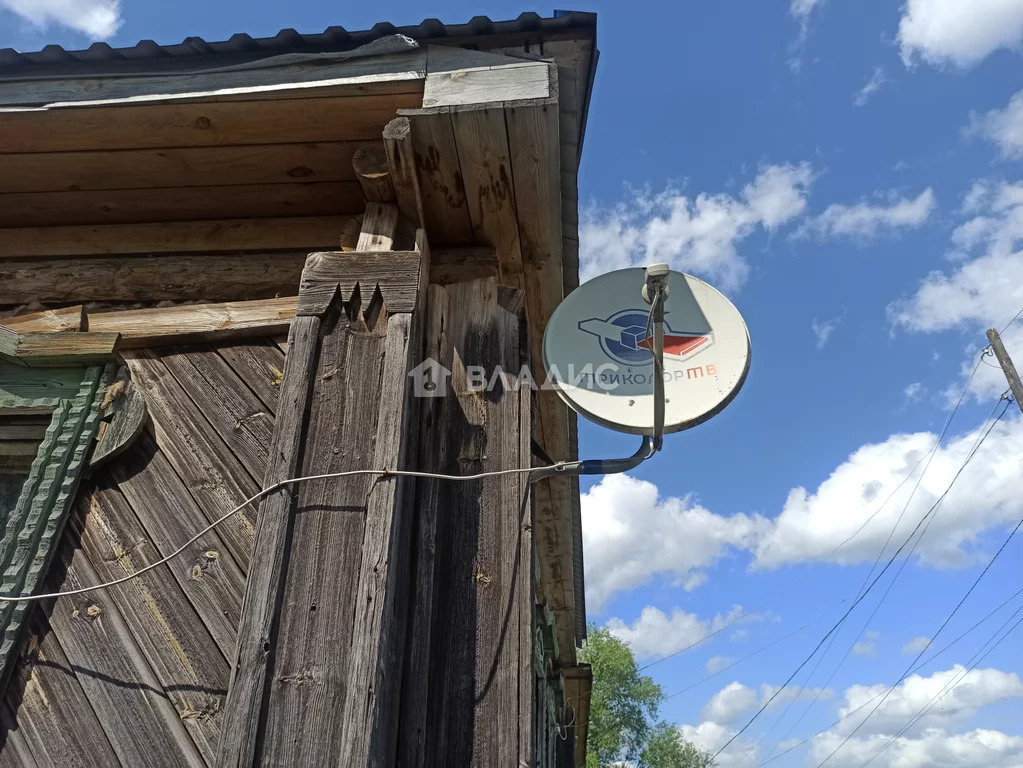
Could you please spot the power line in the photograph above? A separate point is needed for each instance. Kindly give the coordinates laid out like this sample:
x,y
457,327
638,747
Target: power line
x,y
865,593
949,686
929,457
1014,318
919,666
947,619
754,653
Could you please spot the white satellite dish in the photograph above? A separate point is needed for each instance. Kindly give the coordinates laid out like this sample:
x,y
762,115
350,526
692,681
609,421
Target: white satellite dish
x,y
597,350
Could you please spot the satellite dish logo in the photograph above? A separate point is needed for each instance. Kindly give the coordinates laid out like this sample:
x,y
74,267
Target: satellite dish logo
x,y
623,338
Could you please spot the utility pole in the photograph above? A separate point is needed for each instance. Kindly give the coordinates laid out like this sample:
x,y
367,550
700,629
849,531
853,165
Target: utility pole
x,y
1007,367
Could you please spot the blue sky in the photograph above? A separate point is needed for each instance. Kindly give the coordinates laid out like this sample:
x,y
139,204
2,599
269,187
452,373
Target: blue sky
x,y
849,173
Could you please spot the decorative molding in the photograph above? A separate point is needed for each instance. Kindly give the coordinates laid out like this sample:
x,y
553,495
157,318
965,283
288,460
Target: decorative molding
x,y
31,531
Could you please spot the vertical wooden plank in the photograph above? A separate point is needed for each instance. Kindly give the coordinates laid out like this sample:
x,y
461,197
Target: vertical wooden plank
x,y
257,635
401,161
370,724
15,752
215,478
310,677
260,365
140,722
443,192
482,140
168,632
236,414
206,571
58,722
432,456
475,652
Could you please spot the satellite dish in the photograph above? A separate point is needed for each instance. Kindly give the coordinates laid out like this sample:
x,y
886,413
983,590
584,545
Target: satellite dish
x,y
597,352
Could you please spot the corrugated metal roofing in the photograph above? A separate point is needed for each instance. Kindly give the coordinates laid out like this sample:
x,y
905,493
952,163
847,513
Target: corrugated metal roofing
x,y
194,52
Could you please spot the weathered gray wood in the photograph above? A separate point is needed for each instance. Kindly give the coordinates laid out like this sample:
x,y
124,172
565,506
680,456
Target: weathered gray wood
x,y
483,153
59,349
214,476
401,161
206,572
370,165
59,724
458,77
398,72
395,273
66,319
164,625
257,634
140,722
222,277
379,227
475,653
236,414
126,407
312,668
370,714
197,322
260,365
441,185
15,752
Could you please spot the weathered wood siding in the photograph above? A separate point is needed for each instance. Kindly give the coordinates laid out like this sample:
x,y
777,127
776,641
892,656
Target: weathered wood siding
x,y
137,675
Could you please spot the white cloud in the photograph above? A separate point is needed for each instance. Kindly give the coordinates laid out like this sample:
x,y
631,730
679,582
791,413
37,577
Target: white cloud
x,y
823,329
698,235
915,646
931,740
812,524
631,535
717,663
984,286
710,737
877,79
98,19
730,702
865,220
933,749
967,693
913,391
694,580
956,32
1003,127
655,634
868,645
791,693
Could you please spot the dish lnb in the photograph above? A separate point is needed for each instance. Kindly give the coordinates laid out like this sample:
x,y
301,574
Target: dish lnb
x,y
656,277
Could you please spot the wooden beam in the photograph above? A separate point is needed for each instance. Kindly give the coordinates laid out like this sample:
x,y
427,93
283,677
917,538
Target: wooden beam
x,y
48,350
172,277
379,227
313,232
370,165
314,75
442,188
401,162
463,264
204,124
482,140
457,77
397,274
49,320
197,322
129,206
178,167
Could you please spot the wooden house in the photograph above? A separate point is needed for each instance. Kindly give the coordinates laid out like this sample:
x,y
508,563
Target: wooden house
x,y
222,265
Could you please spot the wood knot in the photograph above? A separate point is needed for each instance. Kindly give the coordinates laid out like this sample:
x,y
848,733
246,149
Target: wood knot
x,y
203,122
300,172
196,573
212,554
93,611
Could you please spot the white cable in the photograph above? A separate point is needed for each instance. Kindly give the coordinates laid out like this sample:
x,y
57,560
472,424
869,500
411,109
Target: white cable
x,y
261,494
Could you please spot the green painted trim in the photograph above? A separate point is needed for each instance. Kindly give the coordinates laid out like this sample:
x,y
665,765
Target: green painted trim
x,y
31,532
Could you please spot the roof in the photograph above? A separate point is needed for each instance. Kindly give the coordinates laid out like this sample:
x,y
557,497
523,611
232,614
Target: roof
x,y
147,57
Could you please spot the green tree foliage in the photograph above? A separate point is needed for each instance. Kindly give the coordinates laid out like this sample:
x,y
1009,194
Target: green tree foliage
x,y
623,712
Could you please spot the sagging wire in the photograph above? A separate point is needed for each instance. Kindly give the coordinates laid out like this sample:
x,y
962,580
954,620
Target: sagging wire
x,y
654,292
